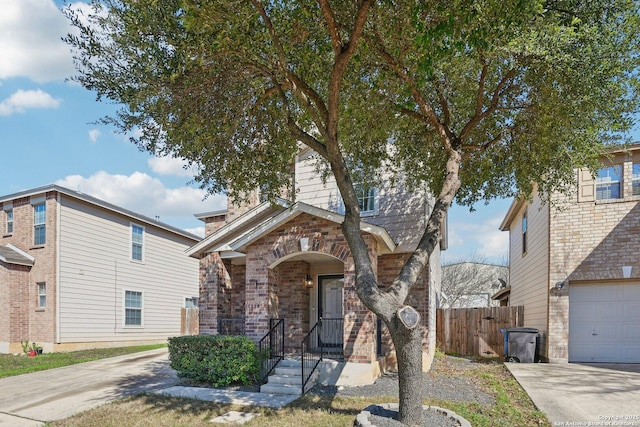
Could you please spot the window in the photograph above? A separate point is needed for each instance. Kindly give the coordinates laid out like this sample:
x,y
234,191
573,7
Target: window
x,y
635,179
524,232
42,295
137,242
9,213
608,183
39,227
191,302
132,308
367,200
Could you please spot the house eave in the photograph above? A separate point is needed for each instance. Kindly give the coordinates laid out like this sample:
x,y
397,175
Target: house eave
x,y
216,239
102,204
511,213
240,245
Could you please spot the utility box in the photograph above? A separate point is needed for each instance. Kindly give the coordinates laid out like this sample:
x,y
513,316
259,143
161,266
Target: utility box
x,y
521,344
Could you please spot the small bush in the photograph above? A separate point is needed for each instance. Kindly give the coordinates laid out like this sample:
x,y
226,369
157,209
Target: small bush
x,y
216,359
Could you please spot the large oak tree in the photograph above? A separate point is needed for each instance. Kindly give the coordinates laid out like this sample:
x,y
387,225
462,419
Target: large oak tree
x,y
472,98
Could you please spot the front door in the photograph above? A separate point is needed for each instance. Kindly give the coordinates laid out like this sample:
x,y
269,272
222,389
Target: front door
x,y
330,289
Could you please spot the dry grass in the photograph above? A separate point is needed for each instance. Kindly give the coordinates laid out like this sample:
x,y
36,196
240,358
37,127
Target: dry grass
x,y
512,407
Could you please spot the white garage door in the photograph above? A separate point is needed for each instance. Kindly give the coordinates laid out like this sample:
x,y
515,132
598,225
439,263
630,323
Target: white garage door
x,y
604,323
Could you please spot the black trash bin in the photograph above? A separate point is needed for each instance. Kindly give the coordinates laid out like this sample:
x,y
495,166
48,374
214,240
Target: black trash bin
x,y
521,344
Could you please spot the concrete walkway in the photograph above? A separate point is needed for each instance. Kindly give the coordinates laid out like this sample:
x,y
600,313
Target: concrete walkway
x,y
580,394
228,396
29,400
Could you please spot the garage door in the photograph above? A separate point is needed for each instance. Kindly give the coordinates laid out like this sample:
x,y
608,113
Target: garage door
x,y
604,323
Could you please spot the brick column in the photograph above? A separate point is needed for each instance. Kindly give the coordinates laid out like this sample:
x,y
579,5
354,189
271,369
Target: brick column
x,y
256,311
210,274
359,321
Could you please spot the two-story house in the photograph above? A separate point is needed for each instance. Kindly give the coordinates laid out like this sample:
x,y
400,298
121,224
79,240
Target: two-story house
x,y
77,272
290,261
575,264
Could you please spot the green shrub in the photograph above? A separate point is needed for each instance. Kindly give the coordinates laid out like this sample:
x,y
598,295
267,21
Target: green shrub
x,y
216,359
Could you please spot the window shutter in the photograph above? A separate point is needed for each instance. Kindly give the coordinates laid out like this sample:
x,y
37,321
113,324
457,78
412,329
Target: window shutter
x,y
586,186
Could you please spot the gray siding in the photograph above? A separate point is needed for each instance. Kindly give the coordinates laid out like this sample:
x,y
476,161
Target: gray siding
x,y
95,269
529,274
400,212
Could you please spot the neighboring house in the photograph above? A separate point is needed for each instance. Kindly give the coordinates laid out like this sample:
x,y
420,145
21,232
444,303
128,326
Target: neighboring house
x,y
575,264
265,261
77,272
472,284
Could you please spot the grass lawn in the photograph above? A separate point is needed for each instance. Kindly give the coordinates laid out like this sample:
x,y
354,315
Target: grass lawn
x,y
512,407
16,365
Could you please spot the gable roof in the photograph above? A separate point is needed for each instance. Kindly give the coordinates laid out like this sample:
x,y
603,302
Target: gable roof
x,y
12,255
266,217
101,203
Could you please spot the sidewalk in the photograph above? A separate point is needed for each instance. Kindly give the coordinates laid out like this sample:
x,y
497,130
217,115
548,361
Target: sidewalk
x,y
274,401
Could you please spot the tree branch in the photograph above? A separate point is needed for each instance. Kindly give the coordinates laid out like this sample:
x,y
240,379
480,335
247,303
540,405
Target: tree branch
x,y
332,26
497,93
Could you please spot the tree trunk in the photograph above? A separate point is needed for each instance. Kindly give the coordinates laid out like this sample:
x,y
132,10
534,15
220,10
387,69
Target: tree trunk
x,y
408,344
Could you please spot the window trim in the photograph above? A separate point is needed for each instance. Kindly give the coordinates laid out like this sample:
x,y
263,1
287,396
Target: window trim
x,y
37,226
125,308
635,179
599,183
132,243
8,221
360,194
42,296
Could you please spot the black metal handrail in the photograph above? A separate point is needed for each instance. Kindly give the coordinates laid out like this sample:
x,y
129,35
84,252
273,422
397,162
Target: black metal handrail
x,y
310,358
271,348
231,326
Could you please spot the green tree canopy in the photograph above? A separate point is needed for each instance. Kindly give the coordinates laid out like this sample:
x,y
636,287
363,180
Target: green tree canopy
x,y
472,98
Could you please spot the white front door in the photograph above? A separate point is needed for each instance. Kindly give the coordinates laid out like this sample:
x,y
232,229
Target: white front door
x,y
331,302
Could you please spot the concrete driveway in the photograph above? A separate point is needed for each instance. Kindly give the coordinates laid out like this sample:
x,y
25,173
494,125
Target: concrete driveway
x,y
583,394
30,399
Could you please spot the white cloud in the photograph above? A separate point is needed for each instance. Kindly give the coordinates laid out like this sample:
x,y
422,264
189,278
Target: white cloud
x,y
30,40
145,195
94,134
198,231
23,100
474,237
170,166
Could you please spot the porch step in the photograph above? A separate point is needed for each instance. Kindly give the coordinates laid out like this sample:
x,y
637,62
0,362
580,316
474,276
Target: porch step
x,y
286,378
272,388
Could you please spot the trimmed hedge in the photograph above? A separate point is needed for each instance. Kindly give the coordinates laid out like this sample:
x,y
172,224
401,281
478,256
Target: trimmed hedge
x,y
220,360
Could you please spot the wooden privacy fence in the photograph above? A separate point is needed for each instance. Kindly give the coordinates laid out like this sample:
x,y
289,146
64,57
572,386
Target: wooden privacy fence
x,y
189,321
476,331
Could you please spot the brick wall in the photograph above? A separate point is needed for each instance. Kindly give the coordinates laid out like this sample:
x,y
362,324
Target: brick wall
x,y
222,292
272,285
589,241
32,322
388,267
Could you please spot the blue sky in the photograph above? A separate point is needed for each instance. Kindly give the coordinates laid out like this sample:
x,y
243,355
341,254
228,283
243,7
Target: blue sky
x,y
47,137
